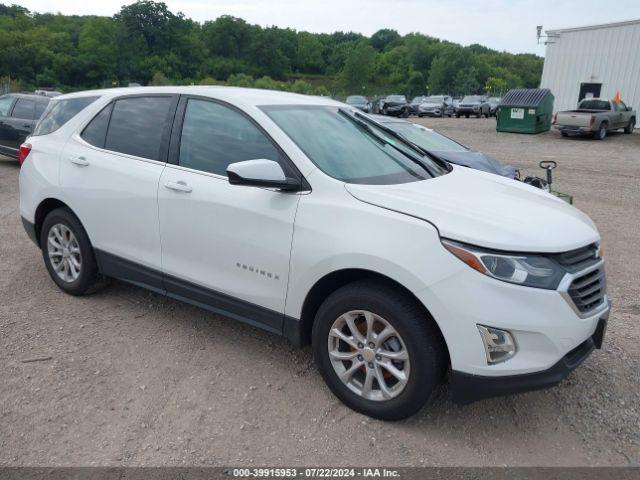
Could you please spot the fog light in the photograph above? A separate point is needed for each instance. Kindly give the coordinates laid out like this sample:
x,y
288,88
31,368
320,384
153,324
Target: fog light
x,y
499,345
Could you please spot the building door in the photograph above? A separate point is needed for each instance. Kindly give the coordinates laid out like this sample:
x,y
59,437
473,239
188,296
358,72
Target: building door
x,y
589,90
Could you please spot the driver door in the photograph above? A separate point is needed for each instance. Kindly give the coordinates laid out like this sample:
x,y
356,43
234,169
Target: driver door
x,y
225,247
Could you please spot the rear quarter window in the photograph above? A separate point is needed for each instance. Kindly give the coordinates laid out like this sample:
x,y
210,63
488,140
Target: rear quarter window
x,y
60,112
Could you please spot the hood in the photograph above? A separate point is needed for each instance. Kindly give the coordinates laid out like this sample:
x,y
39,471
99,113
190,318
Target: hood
x,y
479,161
486,210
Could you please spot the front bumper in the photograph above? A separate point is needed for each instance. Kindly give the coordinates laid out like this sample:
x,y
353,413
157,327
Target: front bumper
x,y
436,112
465,388
468,110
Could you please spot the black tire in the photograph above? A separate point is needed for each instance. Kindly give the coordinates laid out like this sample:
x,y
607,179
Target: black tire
x,y
466,115
457,115
479,114
601,133
564,134
629,128
88,275
405,113
423,341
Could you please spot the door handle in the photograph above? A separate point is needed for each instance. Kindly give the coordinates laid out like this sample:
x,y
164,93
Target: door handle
x,y
80,161
178,186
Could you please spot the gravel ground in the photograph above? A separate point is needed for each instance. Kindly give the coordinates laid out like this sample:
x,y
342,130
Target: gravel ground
x,y
130,378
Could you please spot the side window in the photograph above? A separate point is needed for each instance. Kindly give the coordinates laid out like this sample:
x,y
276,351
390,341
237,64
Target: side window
x,y
5,106
59,112
214,136
137,126
24,109
95,133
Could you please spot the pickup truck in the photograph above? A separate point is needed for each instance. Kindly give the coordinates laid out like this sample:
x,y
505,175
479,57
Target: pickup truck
x,y
597,117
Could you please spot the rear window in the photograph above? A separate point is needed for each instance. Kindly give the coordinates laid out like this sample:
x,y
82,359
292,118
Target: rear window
x,y
594,105
60,112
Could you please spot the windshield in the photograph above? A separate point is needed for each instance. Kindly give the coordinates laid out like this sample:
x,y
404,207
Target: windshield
x,y
494,100
418,99
397,98
356,99
425,138
471,99
435,99
347,151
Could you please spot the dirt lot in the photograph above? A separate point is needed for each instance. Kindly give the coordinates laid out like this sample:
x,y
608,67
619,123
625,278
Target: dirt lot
x,y
136,379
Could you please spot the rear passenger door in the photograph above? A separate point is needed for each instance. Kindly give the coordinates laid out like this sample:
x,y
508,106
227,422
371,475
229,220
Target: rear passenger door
x,y
20,123
6,132
110,171
224,246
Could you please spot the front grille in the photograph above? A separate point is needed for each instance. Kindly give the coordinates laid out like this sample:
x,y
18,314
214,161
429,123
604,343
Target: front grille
x,y
578,259
587,290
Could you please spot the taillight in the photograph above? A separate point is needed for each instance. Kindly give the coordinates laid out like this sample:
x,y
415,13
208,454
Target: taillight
x,y
23,153
592,121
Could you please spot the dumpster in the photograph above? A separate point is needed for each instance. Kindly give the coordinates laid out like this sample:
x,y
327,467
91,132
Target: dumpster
x,y
525,110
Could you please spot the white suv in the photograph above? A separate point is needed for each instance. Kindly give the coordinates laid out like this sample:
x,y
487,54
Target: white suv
x,y
304,217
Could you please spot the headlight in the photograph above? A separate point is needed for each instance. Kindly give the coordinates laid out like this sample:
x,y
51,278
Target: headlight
x,y
530,270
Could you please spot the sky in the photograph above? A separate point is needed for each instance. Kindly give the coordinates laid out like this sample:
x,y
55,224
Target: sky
x,y
499,24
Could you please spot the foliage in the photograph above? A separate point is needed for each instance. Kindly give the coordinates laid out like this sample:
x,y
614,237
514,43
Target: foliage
x,y
147,43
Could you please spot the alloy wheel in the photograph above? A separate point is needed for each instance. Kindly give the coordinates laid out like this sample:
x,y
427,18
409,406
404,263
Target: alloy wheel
x,y
369,355
64,253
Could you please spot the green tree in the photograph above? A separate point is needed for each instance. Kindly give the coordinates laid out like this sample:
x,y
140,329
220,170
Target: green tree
x,y
358,67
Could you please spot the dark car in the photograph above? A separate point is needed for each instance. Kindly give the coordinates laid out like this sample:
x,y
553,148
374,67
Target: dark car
x,y
436,106
415,103
359,102
396,106
18,115
474,105
493,103
448,149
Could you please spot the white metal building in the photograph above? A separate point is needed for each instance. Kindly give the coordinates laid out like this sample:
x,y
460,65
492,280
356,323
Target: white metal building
x,y
593,61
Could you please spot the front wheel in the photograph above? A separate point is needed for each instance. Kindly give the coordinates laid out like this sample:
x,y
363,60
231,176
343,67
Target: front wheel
x,y
67,252
629,128
377,350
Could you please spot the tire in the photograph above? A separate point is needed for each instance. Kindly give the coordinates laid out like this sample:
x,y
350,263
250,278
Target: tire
x,y
405,113
629,128
76,251
466,115
564,134
479,114
457,115
418,338
602,131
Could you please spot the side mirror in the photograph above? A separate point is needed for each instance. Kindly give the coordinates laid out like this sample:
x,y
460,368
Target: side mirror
x,y
261,173
629,109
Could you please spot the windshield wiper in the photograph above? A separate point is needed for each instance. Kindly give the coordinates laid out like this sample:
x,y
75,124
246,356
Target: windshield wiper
x,y
403,138
366,127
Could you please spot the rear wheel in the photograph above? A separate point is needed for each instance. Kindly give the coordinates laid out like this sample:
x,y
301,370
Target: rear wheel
x,y
564,134
377,350
629,128
602,131
67,252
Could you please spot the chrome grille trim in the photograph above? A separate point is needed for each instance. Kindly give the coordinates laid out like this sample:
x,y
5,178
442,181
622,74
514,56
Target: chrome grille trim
x,y
586,290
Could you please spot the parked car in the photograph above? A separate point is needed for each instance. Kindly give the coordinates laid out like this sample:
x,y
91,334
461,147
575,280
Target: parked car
x,y
456,104
494,102
446,148
415,103
474,105
293,214
18,114
395,105
360,102
597,117
436,106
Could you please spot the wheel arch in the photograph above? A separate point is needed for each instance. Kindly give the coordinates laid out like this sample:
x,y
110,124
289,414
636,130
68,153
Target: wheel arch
x,y
44,208
338,279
